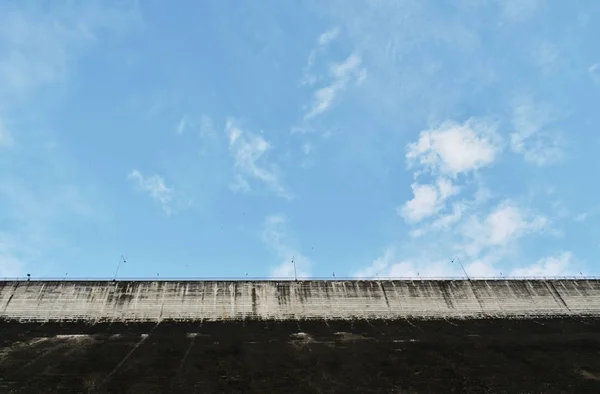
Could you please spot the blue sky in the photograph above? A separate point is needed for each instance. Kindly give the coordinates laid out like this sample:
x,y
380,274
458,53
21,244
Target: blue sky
x,y
361,138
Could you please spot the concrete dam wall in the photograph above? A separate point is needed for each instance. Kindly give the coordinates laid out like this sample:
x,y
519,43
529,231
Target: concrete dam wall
x,y
154,301
350,337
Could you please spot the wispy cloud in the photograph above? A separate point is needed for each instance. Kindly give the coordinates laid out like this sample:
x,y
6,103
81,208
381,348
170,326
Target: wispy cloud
x,y
328,36
506,223
390,265
585,215
341,75
276,236
531,138
558,265
481,234
309,78
447,220
444,222
155,186
249,151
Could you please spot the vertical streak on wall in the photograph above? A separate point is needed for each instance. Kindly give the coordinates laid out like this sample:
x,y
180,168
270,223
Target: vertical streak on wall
x,y
162,303
62,305
135,302
474,291
559,300
41,294
10,297
232,290
387,301
254,301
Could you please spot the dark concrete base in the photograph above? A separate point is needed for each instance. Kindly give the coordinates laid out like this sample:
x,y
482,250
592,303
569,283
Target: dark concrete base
x,y
434,356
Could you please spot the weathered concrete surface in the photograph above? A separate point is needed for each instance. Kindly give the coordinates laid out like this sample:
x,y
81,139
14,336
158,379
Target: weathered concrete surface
x,y
536,336
541,355
156,301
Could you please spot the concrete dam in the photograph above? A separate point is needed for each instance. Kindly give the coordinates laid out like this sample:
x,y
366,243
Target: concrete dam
x,y
306,336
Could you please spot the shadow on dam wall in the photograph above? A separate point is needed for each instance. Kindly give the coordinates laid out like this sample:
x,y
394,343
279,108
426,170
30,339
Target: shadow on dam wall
x,y
534,336
544,355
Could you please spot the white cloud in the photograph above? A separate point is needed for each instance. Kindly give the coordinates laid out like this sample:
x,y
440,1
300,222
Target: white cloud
x,y
446,188
558,265
323,100
423,204
529,139
449,220
506,223
453,149
481,269
5,137
329,36
276,237
156,188
343,70
379,265
484,236
427,200
446,152
391,266
445,221
342,74
248,151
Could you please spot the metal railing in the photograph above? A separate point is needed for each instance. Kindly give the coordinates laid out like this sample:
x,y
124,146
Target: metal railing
x,y
277,279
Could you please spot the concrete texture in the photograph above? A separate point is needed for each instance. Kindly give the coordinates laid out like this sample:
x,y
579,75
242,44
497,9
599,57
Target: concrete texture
x,y
533,336
153,301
